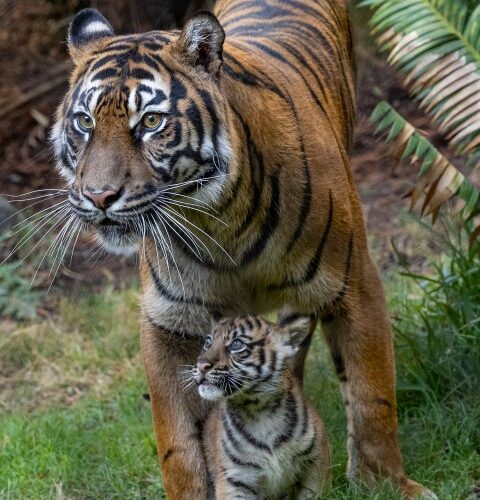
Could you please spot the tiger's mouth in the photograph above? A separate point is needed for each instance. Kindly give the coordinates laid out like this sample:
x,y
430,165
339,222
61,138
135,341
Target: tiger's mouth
x,y
109,222
210,390
117,238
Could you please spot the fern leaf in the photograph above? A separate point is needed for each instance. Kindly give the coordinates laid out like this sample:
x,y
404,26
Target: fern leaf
x,y
436,45
439,180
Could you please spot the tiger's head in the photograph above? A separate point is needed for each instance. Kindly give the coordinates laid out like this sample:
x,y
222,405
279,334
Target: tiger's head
x,y
144,122
246,356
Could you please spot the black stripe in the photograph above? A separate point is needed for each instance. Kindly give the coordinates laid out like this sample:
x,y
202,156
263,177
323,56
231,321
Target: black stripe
x,y
140,74
287,97
179,334
290,318
255,161
159,97
305,419
170,452
149,189
261,356
104,60
309,448
259,343
343,291
239,427
291,420
312,266
304,210
210,107
270,222
229,432
164,292
195,118
279,56
240,484
273,361
105,73
235,459
248,78
115,46
339,364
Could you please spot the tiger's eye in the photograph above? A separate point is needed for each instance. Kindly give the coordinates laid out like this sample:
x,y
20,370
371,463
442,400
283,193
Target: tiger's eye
x,y
85,122
236,345
208,342
152,120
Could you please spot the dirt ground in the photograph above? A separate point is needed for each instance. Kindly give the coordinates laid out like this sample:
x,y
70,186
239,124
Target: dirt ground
x,y
36,79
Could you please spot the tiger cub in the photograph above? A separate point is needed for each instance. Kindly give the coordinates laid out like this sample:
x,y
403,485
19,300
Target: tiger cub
x,y
263,439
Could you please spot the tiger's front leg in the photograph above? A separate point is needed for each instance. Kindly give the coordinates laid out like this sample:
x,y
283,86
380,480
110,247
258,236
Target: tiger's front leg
x,y
177,414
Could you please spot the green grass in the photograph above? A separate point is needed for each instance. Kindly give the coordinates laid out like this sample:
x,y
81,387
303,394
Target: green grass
x,y
74,424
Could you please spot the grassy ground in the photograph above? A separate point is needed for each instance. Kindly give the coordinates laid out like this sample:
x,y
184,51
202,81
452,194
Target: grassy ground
x,y
74,424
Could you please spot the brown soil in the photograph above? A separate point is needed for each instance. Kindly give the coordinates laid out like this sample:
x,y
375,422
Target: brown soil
x,y
37,30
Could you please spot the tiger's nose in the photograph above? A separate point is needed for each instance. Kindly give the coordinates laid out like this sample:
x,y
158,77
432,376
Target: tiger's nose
x,y
101,198
204,366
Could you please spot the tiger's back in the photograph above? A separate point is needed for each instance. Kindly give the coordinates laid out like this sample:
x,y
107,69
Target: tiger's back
x,y
302,50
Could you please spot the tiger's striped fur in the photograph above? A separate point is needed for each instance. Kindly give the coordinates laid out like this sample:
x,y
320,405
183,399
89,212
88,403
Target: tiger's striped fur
x,y
263,439
240,198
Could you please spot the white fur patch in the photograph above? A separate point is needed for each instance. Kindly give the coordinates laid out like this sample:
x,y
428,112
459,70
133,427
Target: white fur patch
x,y
210,392
96,27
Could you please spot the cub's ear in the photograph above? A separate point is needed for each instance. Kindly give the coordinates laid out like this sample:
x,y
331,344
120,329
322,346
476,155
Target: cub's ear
x,y
201,42
294,333
88,26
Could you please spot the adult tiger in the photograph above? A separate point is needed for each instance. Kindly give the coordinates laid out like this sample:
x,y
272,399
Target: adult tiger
x,y
161,129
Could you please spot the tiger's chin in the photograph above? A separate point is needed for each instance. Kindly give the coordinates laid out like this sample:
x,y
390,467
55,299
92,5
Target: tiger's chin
x,y
210,391
118,240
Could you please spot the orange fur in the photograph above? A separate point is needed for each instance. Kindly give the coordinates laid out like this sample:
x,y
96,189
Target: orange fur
x,y
275,127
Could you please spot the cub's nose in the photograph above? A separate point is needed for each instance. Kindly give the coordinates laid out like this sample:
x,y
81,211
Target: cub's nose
x,y
101,198
203,365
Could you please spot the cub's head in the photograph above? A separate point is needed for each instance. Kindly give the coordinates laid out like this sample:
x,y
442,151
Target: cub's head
x,y
246,356
143,125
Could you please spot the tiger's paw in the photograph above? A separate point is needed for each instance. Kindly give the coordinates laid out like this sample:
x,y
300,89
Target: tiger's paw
x,y
412,489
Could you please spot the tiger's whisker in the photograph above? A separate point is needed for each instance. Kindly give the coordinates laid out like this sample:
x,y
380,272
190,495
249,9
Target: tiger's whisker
x,y
194,250
203,232
192,207
67,240
58,212
172,253
24,222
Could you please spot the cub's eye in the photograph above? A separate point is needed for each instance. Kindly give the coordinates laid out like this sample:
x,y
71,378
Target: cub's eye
x,y
152,120
236,345
208,342
85,122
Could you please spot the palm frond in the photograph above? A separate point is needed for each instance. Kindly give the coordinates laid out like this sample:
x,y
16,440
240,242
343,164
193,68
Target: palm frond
x,y
439,180
436,45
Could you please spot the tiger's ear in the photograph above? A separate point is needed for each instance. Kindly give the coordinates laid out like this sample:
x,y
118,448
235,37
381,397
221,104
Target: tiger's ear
x,y
294,334
201,42
86,28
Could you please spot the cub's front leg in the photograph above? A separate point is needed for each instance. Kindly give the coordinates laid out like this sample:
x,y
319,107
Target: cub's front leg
x,y
315,483
177,414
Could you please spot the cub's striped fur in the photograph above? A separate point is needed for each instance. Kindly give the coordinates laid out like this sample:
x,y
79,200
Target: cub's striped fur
x,y
263,439
221,152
